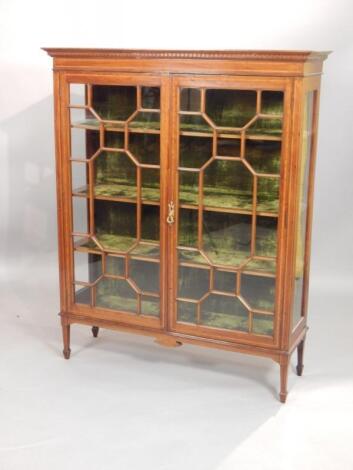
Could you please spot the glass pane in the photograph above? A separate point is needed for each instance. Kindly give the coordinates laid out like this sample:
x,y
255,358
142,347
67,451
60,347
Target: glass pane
x,y
225,281
145,120
304,174
262,324
116,294
194,256
83,117
231,108
228,184
150,185
226,237
114,175
77,94
79,178
115,224
266,126
193,282
85,244
263,155
150,223
268,194
190,99
188,187
114,103
266,236
145,275
115,265
82,295
187,312
220,311
150,97
145,148
259,292
194,123
84,143
88,266
188,227
114,139
146,249
194,151
150,306
80,215
261,265
228,147
272,102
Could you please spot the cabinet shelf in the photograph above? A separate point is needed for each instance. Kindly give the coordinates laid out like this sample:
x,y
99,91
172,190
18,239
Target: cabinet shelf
x,y
104,192
235,136
153,128
135,126
229,210
120,245
204,130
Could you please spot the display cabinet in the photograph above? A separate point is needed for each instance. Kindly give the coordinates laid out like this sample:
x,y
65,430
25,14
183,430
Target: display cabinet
x,y
185,194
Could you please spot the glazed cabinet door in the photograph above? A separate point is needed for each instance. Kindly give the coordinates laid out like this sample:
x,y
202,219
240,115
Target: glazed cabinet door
x,y
229,166
114,159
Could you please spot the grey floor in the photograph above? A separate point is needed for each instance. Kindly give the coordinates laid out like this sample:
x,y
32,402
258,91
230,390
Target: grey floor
x,y
123,402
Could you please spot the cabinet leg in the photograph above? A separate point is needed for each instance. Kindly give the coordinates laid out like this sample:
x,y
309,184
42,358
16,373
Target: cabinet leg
x,y
95,330
300,352
66,339
284,378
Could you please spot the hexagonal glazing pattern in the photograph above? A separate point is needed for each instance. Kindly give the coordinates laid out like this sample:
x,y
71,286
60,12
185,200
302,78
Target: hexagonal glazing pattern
x,y
229,163
115,132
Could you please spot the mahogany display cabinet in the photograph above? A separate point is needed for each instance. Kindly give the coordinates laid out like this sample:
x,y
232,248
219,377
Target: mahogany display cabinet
x,y
185,195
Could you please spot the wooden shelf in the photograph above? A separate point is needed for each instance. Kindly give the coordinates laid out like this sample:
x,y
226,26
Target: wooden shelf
x,y
142,252
232,136
228,210
94,125
83,192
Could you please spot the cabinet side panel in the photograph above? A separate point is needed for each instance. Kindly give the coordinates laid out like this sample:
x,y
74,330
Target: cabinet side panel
x,y
57,77
304,210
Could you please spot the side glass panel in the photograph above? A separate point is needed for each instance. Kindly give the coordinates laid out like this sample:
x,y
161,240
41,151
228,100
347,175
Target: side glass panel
x,y
228,182
115,174
304,173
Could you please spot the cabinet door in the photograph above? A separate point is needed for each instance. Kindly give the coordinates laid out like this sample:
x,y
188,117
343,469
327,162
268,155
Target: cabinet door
x,y
230,138
112,171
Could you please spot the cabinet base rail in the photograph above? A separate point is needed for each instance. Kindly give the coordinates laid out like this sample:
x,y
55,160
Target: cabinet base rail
x,y
171,339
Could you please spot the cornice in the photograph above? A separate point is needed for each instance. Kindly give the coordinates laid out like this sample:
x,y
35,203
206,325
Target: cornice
x,y
245,55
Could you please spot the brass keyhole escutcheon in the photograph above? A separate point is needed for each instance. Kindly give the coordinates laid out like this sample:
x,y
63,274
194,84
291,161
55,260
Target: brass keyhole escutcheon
x,y
171,212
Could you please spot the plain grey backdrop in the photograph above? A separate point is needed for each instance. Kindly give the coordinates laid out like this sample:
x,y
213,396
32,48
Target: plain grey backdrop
x,y
121,402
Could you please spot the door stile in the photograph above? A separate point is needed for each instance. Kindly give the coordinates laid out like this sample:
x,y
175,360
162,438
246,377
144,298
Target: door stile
x,y
172,198
165,196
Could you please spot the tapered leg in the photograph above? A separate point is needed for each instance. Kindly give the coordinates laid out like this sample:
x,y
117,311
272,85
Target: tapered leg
x,y
95,330
284,378
66,339
300,351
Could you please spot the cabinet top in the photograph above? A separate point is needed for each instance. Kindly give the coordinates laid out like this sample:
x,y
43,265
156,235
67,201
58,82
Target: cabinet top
x,y
249,55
